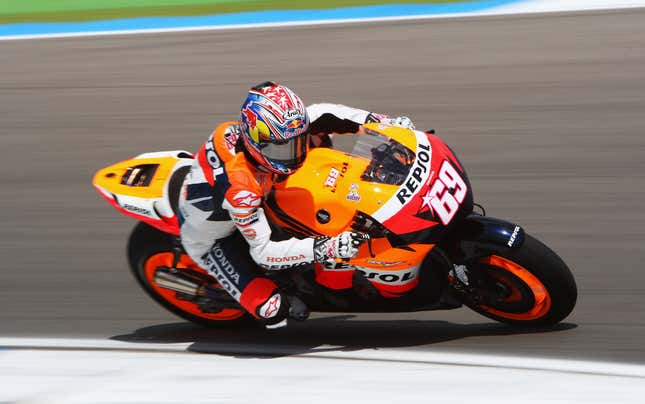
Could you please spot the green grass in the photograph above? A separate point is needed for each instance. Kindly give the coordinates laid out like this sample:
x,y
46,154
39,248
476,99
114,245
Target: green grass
x,y
16,11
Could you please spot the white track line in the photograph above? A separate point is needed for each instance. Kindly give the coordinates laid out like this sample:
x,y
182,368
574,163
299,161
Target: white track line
x,y
550,6
327,352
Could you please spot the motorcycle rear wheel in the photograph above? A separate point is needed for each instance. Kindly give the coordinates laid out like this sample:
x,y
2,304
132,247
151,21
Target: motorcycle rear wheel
x,y
148,249
528,286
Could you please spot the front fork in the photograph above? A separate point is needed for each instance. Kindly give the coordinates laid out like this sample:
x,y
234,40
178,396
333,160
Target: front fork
x,y
473,238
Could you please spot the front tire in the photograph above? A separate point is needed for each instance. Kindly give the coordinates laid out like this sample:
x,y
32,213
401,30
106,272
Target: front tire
x,y
529,285
150,248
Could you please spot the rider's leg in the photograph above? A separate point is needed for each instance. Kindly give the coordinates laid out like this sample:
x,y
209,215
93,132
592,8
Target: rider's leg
x,y
229,261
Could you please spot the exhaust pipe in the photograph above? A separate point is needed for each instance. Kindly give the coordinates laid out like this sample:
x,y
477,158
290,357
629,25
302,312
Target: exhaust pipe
x,y
173,280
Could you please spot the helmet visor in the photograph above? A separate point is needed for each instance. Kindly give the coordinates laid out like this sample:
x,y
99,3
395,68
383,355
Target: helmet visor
x,y
290,152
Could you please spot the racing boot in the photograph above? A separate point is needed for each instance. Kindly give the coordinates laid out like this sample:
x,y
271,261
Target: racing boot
x,y
279,307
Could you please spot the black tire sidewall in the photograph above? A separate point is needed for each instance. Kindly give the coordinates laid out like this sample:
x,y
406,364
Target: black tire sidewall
x,y
554,274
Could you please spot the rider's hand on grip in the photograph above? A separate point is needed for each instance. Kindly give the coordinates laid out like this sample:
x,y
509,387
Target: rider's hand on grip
x,y
344,246
403,122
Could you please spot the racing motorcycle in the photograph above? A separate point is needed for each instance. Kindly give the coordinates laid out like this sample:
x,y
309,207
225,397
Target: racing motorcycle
x,y
429,246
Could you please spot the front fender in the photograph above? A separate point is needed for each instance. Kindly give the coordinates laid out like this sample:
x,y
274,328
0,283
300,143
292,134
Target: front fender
x,y
476,236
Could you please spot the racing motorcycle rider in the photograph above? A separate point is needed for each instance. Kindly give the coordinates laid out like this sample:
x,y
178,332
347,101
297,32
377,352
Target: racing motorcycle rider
x,y
222,194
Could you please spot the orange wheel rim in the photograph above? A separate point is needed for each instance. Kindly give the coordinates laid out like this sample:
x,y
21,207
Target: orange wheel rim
x,y
541,297
165,259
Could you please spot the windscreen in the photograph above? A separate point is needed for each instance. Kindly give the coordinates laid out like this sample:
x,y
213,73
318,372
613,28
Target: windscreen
x,y
390,161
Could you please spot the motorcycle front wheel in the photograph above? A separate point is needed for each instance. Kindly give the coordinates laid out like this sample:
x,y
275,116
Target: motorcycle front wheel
x,y
529,285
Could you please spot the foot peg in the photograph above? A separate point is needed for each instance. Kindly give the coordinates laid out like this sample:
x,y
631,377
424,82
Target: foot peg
x,y
298,310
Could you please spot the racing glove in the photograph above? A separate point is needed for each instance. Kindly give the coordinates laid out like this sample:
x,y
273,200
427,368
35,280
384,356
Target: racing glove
x,y
400,121
344,246
403,122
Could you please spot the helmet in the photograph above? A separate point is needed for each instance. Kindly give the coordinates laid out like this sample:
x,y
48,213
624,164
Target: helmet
x,y
274,125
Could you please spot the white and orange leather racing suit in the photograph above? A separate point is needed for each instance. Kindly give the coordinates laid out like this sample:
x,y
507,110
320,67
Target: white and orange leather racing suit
x,y
223,226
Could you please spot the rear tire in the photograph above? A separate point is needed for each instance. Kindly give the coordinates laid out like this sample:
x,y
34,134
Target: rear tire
x,y
537,286
148,248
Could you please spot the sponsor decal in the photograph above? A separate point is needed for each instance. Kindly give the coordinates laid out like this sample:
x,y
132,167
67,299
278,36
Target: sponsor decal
x,y
331,178
295,126
389,277
384,263
251,118
511,240
245,220
257,129
136,209
446,194
323,216
230,137
247,199
337,174
250,234
271,307
213,159
353,194
224,272
291,114
279,267
286,259
420,167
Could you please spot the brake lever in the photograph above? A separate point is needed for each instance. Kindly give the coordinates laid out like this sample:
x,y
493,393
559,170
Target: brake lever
x,y
369,245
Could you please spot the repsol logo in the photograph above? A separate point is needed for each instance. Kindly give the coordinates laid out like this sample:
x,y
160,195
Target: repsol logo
x,y
246,220
511,240
278,267
388,277
286,259
421,167
136,209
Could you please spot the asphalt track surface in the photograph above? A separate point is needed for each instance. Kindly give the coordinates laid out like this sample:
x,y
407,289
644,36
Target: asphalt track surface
x,y
547,112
